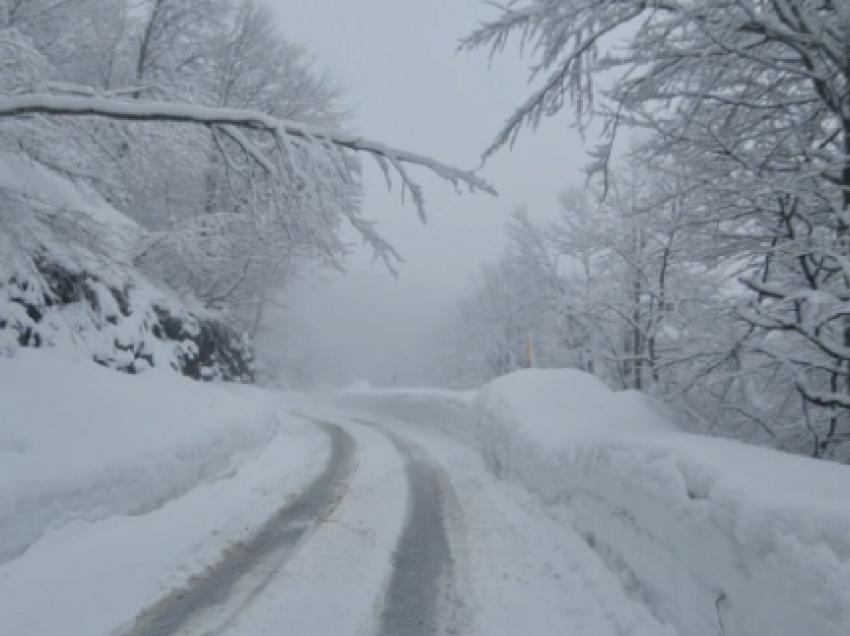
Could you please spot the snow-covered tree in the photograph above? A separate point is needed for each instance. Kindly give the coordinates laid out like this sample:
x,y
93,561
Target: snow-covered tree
x,y
746,102
201,121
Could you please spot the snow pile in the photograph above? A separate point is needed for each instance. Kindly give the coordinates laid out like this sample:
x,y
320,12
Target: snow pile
x,y
714,536
540,400
80,442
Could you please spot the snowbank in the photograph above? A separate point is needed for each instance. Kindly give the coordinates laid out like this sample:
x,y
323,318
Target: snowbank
x,y
80,442
94,578
714,536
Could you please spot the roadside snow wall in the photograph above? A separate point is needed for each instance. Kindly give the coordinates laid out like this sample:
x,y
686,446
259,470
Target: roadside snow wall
x,y
714,536
81,442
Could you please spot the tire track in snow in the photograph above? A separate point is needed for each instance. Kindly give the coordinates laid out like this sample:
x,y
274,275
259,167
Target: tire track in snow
x,y
248,568
421,599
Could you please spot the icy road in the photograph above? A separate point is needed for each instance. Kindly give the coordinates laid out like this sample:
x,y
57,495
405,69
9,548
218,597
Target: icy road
x,y
394,529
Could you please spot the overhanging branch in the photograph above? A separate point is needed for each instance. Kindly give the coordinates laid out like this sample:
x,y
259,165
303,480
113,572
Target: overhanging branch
x,y
153,111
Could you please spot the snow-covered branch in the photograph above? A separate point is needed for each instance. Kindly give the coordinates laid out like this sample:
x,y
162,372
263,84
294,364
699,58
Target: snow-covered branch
x,y
150,111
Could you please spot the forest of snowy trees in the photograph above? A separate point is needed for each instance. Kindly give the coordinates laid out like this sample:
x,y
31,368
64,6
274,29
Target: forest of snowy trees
x,y
709,262
216,140
706,260
615,400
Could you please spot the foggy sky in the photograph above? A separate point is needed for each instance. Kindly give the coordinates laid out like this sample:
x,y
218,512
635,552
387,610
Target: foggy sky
x,y
411,89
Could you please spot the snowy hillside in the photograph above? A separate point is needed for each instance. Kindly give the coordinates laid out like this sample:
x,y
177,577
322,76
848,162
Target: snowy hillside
x,y
67,281
713,536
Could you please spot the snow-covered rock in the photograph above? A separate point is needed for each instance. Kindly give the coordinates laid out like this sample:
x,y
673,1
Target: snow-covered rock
x,y
67,281
714,536
81,442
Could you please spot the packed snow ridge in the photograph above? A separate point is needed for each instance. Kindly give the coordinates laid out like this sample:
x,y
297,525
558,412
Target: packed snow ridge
x,y
714,536
81,442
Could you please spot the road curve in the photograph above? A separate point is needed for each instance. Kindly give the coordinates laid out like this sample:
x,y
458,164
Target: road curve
x,y
254,564
405,532
420,597
421,592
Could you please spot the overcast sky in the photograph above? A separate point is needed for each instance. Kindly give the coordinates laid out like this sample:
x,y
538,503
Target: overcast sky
x,y
411,89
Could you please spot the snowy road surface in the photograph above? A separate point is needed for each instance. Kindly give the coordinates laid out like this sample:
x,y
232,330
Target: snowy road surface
x,y
248,568
395,530
442,550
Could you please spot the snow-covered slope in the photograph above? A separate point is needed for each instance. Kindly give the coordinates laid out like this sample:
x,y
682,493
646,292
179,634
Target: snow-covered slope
x,y
81,442
67,281
715,537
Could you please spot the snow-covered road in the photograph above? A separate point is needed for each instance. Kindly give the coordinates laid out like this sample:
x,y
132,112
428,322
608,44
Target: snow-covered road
x,y
345,524
540,505
216,599
403,532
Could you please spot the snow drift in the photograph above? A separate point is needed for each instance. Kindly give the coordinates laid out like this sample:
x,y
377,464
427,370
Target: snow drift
x,y
78,441
714,536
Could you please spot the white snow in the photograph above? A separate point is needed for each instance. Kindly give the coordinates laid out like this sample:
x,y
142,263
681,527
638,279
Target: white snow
x,y
449,410
322,139
106,477
711,535
333,584
79,231
80,442
95,577
47,191
516,570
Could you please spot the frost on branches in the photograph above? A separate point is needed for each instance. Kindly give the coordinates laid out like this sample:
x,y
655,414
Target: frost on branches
x,y
744,105
201,122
